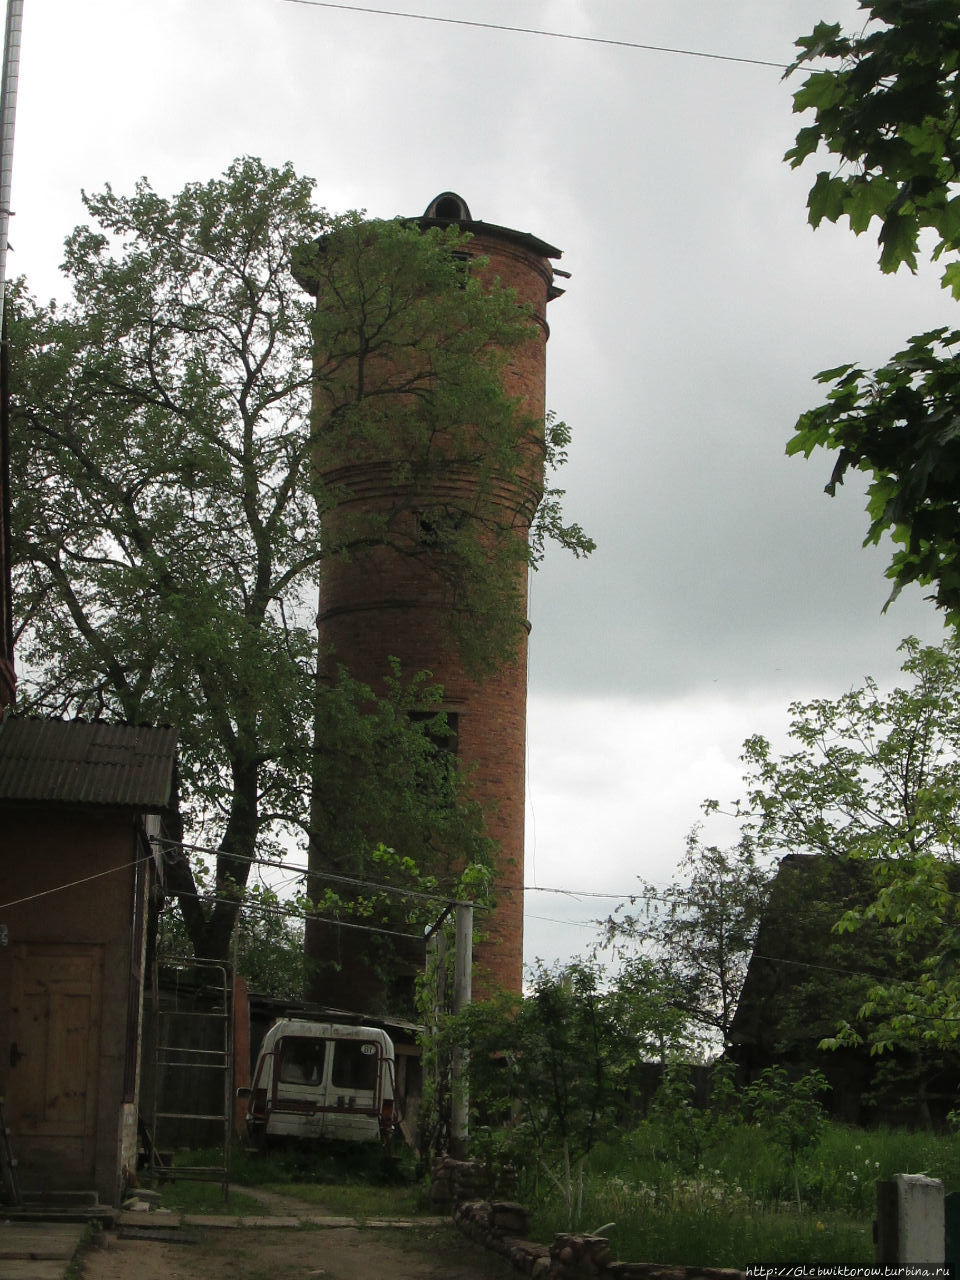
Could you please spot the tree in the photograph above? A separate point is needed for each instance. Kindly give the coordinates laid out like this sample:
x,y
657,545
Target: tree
x,y
874,784
790,1112
167,519
874,776
889,111
697,934
269,942
547,1072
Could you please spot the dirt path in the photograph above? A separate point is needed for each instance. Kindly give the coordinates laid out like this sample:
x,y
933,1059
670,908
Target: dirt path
x,y
282,1206
306,1253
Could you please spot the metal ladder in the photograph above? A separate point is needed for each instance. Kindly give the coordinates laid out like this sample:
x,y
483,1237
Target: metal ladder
x,y
193,1069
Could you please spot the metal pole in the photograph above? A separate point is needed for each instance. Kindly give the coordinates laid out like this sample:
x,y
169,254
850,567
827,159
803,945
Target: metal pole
x,y
462,994
8,115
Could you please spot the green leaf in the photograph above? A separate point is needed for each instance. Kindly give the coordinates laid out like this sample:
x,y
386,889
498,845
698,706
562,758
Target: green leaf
x,y
819,91
951,279
824,40
826,199
898,240
868,198
808,140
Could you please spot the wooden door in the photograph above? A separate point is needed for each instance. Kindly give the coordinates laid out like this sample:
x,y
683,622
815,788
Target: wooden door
x,y
54,1063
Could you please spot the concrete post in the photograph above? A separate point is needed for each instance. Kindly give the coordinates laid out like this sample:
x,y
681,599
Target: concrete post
x,y
462,994
910,1221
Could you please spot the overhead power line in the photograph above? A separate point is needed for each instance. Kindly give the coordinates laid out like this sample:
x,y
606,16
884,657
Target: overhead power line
x,y
574,924
537,31
263,909
171,846
72,884
626,895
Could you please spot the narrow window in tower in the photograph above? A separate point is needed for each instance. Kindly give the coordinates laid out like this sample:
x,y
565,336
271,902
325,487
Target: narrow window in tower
x,y
436,773
440,728
463,261
437,526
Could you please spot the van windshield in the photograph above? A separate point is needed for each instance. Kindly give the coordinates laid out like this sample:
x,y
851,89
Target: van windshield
x,y
301,1060
355,1064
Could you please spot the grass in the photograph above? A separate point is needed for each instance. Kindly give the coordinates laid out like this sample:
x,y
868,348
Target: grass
x,y
732,1207
358,1201
346,1179
721,1234
183,1196
328,1164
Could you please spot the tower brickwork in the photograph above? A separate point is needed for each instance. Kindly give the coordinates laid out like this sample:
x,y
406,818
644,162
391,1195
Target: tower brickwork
x,y
383,603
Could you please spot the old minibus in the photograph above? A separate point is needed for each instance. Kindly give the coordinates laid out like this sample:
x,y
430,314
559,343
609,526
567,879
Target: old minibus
x,y
322,1080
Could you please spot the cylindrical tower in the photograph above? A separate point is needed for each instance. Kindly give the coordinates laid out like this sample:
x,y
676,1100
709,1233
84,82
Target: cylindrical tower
x,y
383,603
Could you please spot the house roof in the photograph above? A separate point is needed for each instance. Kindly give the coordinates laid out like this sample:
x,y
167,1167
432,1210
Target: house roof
x,y
797,951
87,763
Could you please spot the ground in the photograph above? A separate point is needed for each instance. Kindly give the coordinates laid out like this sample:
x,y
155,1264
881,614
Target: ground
x,y
433,1253
419,1251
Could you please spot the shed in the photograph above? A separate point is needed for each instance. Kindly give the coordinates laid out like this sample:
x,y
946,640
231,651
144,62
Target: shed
x,y
79,802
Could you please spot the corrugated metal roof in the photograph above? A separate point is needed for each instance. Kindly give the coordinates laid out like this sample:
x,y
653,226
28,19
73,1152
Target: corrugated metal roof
x,y
86,762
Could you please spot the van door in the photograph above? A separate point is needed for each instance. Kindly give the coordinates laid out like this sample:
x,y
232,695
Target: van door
x,y
354,1091
300,1087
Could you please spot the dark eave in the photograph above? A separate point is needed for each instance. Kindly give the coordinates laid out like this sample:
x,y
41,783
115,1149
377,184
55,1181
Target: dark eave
x,y
522,238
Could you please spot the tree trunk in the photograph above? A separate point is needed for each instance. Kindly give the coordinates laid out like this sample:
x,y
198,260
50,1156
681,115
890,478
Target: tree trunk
x,y
211,931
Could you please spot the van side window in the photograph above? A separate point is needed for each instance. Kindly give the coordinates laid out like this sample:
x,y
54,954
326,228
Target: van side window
x,y
301,1060
355,1064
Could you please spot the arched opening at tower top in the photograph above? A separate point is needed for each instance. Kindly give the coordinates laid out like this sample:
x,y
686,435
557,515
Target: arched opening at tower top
x,y
448,207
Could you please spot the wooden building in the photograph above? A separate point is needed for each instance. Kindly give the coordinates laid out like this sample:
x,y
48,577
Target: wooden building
x,y
78,804
805,978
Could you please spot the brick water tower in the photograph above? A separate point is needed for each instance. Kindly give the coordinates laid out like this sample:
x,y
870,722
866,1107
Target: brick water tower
x,y
384,602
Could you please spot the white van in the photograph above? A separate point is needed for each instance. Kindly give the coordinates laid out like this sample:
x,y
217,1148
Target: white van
x,y
323,1080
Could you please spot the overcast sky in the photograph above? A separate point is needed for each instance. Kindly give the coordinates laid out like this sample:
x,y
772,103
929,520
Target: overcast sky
x,y
725,584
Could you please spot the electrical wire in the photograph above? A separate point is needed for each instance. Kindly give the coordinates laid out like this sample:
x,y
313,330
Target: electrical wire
x,y
620,896
577,924
170,845
263,909
630,896
72,884
260,909
537,31
809,964
167,848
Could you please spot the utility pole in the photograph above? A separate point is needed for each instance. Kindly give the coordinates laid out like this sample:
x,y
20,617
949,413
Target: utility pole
x,y
8,114
8,107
